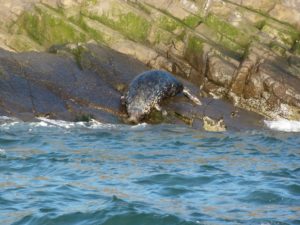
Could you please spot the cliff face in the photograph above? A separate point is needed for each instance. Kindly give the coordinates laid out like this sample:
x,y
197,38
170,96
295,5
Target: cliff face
x,y
245,51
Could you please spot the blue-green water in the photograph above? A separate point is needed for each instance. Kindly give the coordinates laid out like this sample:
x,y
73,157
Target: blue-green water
x,y
146,175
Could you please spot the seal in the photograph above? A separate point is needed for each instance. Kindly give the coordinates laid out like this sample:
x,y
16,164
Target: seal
x,y
148,89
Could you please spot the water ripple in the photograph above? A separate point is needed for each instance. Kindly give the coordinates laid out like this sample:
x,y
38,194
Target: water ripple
x,y
57,172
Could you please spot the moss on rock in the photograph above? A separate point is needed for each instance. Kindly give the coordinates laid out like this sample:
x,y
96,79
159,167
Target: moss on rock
x,y
192,21
170,24
47,27
89,30
231,32
131,25
296,48
195,44
162,37
282,34
232,45
278,49
21,43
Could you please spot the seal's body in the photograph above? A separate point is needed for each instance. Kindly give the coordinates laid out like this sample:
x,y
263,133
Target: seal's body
x,y
148,89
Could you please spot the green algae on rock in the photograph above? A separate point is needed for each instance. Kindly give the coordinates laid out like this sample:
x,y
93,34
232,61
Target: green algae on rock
x,y
46,27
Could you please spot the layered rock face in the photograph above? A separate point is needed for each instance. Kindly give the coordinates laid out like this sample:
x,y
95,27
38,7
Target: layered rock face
x,y
84,82
245,52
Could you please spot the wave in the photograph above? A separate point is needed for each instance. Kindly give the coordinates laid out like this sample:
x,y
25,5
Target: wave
x,y
68,125
9,122
284,125
104,217
2,153
93,124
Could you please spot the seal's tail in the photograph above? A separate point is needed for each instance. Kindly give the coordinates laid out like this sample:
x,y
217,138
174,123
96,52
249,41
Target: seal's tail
x,y
193,98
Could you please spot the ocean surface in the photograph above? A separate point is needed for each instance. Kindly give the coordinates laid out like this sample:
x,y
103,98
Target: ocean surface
x,y
56,172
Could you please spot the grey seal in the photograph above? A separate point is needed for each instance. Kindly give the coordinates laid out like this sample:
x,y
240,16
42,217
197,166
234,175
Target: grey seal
x,y
148,89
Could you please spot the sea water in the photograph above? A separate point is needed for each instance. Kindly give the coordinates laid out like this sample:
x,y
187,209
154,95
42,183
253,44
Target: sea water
x,y
57,172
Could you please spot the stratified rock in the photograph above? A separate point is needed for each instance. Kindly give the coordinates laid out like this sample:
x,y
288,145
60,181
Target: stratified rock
x,y
82,82
263,83
36,84
246,52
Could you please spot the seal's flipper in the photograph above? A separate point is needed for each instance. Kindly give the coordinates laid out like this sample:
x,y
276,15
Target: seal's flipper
x,y
157,107
164,113
123,100
193,98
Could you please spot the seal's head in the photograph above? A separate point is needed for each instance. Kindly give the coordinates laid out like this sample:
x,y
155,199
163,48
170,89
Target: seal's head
x,y
135,117
137,113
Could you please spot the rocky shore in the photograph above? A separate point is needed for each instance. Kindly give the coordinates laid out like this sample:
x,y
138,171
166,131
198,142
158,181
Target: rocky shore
x,y
72,60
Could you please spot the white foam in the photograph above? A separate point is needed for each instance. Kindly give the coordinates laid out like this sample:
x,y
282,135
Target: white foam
x,y
7,123
139,125
2,153
93,124
284,125
5,118
41,124
57,123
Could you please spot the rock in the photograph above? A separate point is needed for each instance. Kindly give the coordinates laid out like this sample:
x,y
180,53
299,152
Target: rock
x,y
247,67
244,51
77,82
288,12
220,71
259,88
263,5
254,87
210,124
55,85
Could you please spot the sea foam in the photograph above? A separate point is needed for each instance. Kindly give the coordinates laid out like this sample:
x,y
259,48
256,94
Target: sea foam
x,y
93,124
284,125
2,153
